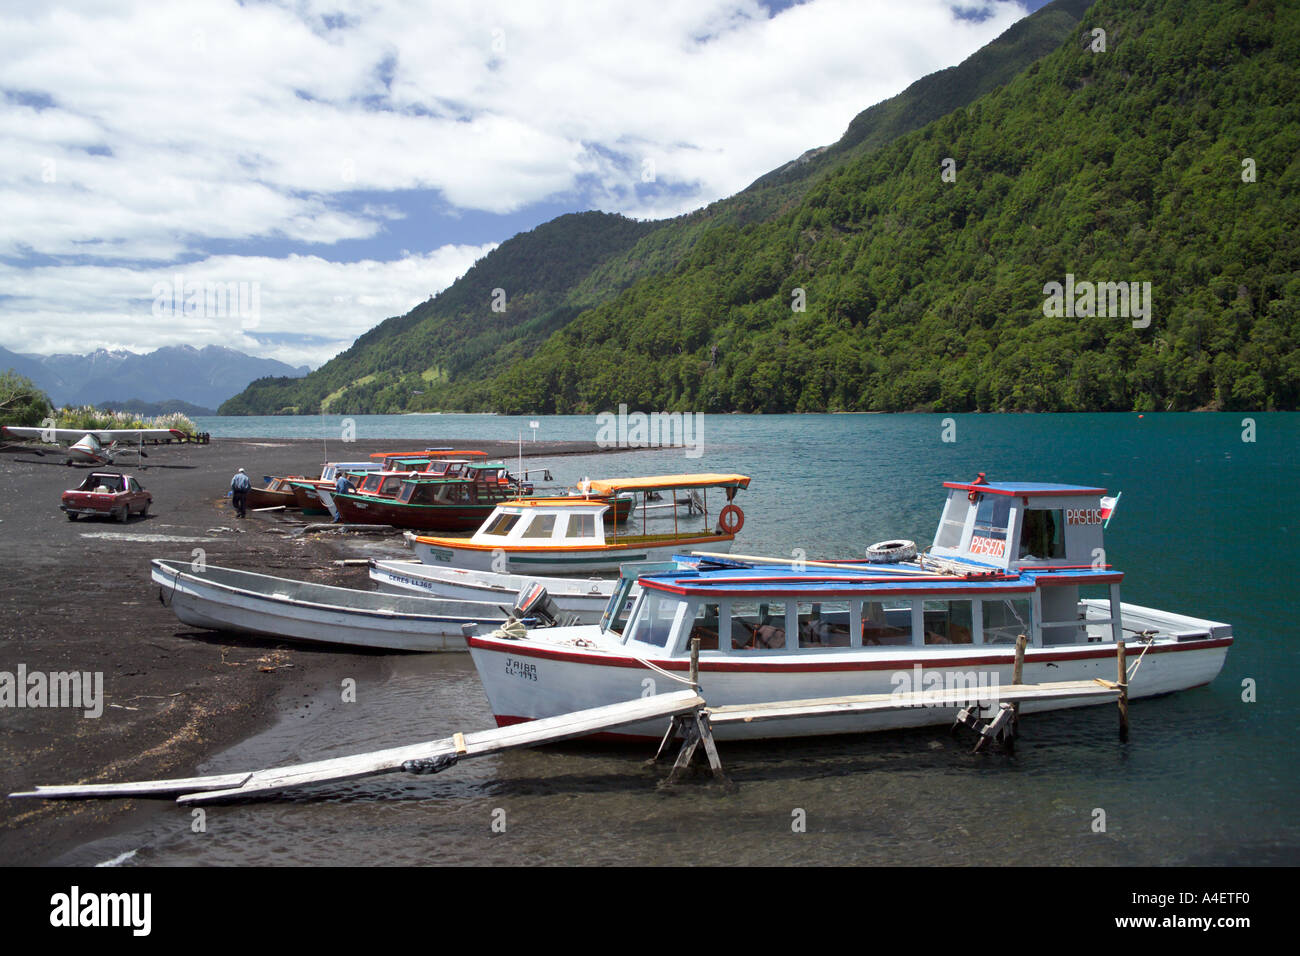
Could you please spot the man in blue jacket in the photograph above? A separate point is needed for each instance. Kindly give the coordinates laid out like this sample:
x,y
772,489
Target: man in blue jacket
x,y
239,486
342,487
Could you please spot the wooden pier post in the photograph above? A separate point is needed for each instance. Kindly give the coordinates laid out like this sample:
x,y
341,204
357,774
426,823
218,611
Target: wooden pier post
x,y
1018,678
695,662
1122,680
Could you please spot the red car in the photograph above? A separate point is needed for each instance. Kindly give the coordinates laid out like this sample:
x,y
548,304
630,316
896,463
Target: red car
x,y
107,493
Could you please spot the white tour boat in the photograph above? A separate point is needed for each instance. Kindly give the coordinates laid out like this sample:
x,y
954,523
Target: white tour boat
x,y
565,536
1008,559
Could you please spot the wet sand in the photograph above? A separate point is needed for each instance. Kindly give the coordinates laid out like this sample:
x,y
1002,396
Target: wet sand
x,y
77,596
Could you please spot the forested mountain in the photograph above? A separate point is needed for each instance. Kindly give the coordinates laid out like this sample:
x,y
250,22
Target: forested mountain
x,y
457,338
1166,152
404,364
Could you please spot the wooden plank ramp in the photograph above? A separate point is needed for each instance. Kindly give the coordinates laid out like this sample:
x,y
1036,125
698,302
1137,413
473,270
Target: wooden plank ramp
x,y
456,747
937,697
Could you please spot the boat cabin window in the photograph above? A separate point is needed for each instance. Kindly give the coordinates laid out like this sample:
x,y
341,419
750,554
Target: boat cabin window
x,y
758,625
991,520
581,526
824,624
654,619
1043,534
1005,619
706,620
887,623
948,622
502,524
542,527
453,493
953,523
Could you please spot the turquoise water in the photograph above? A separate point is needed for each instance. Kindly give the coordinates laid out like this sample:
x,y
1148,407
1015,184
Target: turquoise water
x,y
1206,526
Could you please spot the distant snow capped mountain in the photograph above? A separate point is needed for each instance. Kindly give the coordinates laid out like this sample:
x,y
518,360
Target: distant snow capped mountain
x,y
205,377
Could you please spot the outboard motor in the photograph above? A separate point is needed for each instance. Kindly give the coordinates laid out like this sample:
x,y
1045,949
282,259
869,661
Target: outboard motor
x,y
534,602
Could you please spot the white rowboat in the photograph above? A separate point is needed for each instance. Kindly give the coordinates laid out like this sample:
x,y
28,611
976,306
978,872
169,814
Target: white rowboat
x,y
225,599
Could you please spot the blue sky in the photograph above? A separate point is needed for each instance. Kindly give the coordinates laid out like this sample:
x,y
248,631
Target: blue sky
x,y
345,161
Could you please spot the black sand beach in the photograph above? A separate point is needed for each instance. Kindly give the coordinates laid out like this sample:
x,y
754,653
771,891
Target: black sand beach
x,y
77,596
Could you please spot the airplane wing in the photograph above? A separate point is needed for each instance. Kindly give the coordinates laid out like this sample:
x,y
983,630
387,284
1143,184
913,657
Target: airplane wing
x,y
101,434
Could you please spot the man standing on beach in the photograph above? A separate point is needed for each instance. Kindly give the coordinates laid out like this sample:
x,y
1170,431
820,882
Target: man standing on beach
x,y
239,486
341,487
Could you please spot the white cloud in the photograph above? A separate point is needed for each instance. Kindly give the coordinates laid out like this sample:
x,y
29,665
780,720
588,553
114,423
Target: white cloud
x,y
148,131
78,308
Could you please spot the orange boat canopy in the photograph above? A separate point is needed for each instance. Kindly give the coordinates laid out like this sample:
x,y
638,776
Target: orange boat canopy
x,y
431,453
612,486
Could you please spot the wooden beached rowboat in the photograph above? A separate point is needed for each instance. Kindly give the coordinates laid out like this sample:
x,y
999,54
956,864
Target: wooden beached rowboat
x,y
584,598
225,599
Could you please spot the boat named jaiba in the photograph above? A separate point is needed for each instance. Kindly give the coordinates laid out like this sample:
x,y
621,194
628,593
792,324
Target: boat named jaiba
x,y
1009,558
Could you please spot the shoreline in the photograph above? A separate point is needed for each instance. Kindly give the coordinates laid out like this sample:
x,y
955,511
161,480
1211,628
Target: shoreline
x,y
77,596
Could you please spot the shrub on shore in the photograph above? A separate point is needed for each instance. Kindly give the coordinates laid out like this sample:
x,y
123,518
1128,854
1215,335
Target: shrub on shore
x,y
91,418
21,403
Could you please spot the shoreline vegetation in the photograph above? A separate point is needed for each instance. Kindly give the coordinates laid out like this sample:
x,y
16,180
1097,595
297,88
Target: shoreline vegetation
x,y
22,404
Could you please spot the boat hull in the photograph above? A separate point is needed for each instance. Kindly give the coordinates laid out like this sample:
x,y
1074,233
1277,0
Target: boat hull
x,y
584,598
525,680
602,559
307,497
224,599
364,510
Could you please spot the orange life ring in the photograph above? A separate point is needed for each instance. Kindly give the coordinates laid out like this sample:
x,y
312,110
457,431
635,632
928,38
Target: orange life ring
x,y
731,520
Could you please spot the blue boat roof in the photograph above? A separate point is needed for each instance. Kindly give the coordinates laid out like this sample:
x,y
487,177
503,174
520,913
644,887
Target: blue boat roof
x,y
727,577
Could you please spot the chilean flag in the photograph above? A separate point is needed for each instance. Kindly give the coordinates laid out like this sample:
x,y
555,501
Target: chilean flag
x,y
1108,508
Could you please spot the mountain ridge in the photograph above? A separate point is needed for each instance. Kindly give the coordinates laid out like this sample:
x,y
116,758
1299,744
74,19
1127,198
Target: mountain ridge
x,y
202,378
354,382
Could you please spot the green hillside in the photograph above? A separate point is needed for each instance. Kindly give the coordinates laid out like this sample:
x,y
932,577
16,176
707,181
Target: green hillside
x,y
446,352
1124,165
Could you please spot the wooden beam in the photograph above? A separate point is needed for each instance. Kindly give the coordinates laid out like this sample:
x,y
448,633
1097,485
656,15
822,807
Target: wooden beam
x,y
547,730
879,703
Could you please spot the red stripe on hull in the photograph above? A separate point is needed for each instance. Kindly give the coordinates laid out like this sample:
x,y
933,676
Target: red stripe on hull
x,y
1106,651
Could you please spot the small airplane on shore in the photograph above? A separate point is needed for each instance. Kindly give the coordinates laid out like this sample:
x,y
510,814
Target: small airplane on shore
x,y
96,446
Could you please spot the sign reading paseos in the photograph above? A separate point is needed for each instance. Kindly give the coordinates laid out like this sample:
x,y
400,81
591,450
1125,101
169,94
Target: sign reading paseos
x,y
1083,516
991,546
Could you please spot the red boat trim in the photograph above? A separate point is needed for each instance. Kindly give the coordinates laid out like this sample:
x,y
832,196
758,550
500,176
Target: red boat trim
x,y
1036,493
1032,656
1060,580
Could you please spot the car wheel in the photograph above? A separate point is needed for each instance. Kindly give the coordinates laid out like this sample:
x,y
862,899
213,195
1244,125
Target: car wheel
x,y
144,512
122,514
72,516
